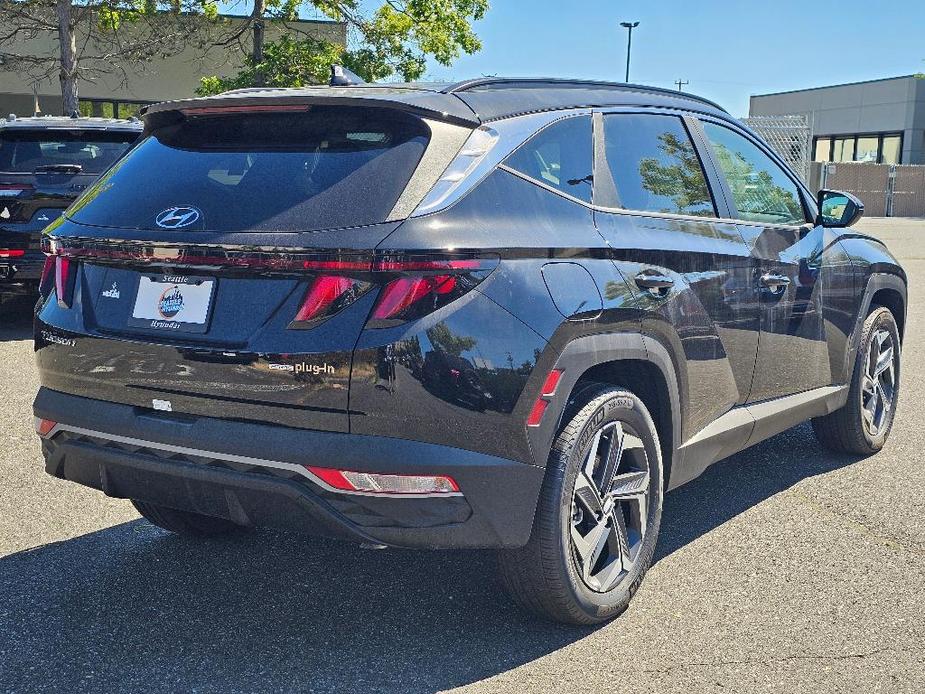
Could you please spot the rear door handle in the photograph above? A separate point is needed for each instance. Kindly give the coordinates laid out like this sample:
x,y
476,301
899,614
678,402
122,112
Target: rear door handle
x,y
654,282
773,282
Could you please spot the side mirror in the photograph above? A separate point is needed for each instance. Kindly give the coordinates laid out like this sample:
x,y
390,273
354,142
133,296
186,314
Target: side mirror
x,y
838,209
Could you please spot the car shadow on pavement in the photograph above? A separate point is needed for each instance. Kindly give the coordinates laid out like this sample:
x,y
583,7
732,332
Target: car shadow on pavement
x,y
16,319
132,608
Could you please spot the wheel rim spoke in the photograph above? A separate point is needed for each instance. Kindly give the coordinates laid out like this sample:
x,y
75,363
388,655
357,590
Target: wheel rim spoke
x,y
587,495
879,384
612,456
609,506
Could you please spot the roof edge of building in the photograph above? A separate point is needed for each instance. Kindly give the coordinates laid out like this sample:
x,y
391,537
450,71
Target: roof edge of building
x,y
833,86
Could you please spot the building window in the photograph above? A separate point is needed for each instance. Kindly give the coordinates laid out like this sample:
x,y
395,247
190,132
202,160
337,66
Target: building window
x,y
823,149
883,148
843,149
891,152
867,149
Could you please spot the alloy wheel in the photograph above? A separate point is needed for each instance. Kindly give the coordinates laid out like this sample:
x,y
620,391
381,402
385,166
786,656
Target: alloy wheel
x,y
878,389
609,507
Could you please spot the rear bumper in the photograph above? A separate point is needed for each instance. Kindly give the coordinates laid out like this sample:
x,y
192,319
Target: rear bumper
x,y
254,474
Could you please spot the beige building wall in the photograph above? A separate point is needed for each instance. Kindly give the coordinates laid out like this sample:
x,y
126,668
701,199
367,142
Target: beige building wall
x,y
175,77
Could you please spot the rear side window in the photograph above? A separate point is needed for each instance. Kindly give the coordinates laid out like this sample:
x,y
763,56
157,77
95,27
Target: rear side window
x,y
561,156
325,167
654,165
761,191
28,151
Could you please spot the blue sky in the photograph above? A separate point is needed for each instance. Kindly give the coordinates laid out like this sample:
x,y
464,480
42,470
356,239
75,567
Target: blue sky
x,y
727,50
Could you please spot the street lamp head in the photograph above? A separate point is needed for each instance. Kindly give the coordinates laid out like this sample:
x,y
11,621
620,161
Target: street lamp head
x,y
629,25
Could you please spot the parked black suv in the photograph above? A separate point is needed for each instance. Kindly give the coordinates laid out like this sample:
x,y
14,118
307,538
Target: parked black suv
x,y
501,313
45,163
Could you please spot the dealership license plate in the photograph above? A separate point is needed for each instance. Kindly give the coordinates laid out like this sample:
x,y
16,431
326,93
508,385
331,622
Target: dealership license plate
x,y
173,302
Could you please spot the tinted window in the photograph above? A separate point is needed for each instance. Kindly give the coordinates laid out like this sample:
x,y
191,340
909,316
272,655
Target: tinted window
x,y
25,151
561,156
761,191
326,168
654,165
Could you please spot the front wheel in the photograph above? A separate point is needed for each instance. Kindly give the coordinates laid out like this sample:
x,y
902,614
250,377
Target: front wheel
x,y
598,515
863,425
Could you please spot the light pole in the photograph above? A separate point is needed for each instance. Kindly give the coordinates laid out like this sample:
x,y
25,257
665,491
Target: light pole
x,y
629,44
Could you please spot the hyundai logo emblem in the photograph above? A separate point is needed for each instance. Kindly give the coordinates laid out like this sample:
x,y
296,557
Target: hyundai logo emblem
x,y
177,217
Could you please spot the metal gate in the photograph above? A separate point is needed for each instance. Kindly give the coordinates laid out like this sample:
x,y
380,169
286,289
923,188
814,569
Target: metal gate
x,y
887,190
789,136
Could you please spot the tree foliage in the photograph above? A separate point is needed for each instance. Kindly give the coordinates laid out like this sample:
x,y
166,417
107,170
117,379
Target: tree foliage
x,y
396,38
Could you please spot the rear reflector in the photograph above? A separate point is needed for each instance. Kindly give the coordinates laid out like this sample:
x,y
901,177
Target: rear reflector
x,y
44,426
547,391
536,414
374,483
11,253
549,385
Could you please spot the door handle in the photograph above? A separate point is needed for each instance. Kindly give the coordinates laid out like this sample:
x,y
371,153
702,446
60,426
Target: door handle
x,y
654,282
774,283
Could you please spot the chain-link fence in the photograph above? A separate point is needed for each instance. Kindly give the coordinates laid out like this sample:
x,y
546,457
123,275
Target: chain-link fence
x,y
789,136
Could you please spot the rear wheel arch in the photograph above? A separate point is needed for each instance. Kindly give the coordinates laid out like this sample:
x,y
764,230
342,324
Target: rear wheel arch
x,y
625,360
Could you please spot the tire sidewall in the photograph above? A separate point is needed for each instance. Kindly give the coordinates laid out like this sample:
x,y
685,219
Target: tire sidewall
x,y
610,405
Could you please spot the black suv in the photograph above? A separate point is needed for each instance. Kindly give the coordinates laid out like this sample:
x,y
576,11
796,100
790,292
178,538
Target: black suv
x,y
45,163
501,313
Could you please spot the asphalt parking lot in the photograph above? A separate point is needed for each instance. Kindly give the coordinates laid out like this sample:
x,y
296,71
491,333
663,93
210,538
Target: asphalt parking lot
x,y
785,568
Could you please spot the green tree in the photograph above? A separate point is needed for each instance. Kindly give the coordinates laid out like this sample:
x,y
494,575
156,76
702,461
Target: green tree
x,y
396,38
95,37
444,340
680,179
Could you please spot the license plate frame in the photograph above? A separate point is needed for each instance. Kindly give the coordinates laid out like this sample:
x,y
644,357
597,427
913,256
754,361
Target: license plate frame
x,y
162,302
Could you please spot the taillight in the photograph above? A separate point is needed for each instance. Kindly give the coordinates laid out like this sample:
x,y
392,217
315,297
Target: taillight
x,y
402,294
326,296
11,253
65,274
424,285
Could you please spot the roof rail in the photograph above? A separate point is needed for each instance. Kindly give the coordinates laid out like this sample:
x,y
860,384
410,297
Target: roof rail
x,y
552,82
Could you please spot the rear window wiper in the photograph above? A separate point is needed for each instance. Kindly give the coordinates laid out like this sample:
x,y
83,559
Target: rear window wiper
x,y
59,168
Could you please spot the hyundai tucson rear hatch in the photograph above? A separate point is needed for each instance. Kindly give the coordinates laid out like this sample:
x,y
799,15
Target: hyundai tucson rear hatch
x,y
225,266
42,170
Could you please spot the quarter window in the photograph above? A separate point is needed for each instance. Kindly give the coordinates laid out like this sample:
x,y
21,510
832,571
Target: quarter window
x,y
761,191
654,165
560,156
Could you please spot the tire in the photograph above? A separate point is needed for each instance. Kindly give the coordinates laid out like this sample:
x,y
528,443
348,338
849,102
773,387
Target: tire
x,y
851,429
185,522
548,575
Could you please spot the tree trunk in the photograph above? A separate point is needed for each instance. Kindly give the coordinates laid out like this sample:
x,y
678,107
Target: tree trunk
x,y
67,40
260,8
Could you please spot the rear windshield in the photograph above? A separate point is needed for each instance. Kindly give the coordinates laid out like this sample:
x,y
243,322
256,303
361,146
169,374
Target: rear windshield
x,y
319,168
28,151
